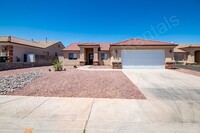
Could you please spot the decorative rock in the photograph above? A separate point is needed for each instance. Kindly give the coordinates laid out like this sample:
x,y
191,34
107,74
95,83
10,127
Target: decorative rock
x,y
13,82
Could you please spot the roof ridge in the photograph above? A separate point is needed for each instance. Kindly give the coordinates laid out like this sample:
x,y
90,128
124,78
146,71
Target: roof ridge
x,y
141,39
23,39
39,44
34,41
159,41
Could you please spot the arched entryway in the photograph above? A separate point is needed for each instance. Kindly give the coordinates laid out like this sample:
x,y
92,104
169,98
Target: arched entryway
x,y
197,56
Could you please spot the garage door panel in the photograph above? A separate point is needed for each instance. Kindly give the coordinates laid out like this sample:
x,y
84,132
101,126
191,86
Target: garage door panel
x,y
143,59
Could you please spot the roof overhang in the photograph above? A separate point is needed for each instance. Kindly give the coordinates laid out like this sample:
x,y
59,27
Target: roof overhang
x,y
11,43
145,45
142,46
88,46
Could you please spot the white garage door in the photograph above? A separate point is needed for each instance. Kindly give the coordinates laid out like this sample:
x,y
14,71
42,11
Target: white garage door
x,y
143,59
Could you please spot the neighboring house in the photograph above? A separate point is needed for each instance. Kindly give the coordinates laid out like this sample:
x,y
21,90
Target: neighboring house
x,y
16,50
187,53
132,53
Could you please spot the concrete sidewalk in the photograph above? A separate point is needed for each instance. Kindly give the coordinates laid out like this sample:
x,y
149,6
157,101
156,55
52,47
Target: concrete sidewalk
x,y
61,115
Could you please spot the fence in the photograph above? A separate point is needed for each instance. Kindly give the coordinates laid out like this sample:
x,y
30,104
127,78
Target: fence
x,y
40,61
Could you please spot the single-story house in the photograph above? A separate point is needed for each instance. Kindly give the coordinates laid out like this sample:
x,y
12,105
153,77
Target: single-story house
x,y
14,49
187,53
132,53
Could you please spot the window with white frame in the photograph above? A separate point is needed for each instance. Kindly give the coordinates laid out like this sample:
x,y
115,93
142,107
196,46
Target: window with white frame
x,y
104,56
72,56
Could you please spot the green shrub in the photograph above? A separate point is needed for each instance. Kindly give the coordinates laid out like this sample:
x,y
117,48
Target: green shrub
x,y
179,63
57,65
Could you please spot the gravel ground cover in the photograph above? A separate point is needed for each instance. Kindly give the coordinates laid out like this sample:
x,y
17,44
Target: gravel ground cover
x,y
187,71
100,67
19,71
13,82
81,83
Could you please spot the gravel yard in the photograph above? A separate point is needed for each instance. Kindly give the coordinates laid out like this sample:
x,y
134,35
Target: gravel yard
x,y
81,83
19,71
100,67
12,82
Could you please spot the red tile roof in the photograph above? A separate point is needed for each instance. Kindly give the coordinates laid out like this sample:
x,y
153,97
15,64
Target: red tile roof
x,y
89,44
105,46
75,46
142,42
131,42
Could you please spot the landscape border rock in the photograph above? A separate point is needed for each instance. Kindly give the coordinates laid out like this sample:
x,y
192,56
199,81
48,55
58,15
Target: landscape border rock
x,y
11,83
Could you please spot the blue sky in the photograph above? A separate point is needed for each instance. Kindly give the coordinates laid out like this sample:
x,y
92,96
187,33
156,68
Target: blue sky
x,y
101,20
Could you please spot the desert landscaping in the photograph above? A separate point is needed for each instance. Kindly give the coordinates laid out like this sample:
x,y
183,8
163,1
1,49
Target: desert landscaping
x,y
40,81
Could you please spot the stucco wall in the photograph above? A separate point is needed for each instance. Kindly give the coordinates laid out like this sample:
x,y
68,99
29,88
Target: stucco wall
x,y
169,56
190,55
104,62
56,48
19,51
115,57
67,62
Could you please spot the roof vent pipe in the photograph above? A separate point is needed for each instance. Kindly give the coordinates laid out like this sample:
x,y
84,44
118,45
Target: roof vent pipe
x,y
9,38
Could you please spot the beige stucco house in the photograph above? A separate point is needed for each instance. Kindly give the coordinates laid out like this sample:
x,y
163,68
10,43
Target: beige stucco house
x,y
14,49
132,53
187,53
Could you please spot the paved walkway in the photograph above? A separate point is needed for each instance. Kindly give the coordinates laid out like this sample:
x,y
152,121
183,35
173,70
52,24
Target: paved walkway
x,y
173,105
61,115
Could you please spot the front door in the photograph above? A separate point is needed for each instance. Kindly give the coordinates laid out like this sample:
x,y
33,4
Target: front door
x,y
90,58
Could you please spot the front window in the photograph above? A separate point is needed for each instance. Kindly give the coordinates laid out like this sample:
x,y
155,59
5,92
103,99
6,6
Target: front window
x,y
104,56
178,57
72,56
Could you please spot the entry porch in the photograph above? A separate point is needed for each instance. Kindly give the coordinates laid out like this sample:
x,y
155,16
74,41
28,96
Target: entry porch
x,y
89,54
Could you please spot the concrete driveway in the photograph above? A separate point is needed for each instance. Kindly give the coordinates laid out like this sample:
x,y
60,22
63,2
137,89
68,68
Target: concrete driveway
x,y
172,106
163,84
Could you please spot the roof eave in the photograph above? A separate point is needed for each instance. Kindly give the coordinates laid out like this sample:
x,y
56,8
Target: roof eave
x,y
21,44
144,45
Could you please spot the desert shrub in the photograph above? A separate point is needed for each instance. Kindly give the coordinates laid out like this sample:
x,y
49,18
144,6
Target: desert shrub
x,y
57,65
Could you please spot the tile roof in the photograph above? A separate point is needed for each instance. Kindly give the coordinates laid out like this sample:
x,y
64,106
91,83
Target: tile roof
x,y
180,48
142,42
38,44
89,43
75,46
105,46
188,45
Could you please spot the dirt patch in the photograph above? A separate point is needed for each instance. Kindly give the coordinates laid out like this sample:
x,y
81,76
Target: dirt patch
x,y
81,83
